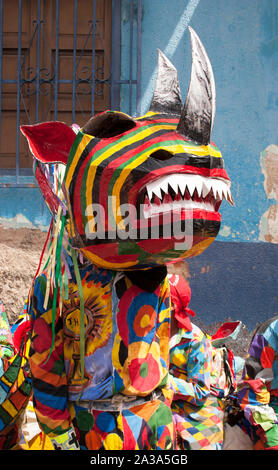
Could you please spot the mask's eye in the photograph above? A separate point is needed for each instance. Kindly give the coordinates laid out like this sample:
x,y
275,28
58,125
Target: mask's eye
x,y
161,155
108,125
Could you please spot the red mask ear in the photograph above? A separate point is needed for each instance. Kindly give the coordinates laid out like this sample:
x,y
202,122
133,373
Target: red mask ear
x,y
49,142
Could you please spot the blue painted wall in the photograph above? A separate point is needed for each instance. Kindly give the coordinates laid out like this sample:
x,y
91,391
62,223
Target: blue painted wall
x,y
235,280
22,206
241,38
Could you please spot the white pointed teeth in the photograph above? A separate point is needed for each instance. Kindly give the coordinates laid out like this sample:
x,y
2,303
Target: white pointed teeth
x,y
189,191
180,182
174,185
154,191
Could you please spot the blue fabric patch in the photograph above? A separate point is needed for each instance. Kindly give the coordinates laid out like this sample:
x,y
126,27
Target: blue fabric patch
x,y
56,402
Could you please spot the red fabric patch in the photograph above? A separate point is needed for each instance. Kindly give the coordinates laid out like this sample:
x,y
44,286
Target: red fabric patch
x,y
256,385
180,294
42,336
204,442
20,333
18,399
129,443
144,373
215,419
267,357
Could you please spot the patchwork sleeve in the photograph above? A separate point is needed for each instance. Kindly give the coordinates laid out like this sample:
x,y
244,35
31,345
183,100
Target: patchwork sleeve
x,y
47,366
6,341
253,389
190,371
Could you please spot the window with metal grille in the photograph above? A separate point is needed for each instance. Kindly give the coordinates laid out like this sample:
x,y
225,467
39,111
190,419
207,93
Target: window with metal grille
x,y
61,60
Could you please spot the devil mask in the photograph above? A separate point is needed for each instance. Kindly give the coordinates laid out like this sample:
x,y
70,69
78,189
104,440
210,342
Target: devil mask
x,y
141,192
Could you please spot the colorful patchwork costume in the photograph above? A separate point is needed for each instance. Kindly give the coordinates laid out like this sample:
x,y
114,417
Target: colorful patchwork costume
x,y
15,385
136,194
197,412
258,390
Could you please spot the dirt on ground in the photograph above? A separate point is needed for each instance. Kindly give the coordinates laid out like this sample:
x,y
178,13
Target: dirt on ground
x,y
20,251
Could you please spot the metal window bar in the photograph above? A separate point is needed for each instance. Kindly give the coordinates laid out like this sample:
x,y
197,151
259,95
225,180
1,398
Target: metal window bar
x,y
13,177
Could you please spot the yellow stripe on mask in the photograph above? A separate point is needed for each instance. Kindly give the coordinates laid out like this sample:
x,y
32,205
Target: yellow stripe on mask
x,y
83,144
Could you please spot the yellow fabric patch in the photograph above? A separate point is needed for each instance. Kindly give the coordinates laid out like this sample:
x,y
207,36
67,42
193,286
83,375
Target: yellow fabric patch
x,y
113,442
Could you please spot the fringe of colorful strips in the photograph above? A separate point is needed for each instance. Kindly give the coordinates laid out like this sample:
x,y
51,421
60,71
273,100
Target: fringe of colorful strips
x,y
59,254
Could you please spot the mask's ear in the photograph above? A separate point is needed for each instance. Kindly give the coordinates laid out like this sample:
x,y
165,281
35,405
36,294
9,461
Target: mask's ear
x,y
49,142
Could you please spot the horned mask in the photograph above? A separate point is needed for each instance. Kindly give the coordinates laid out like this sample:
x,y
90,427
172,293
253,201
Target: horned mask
x,y
145,191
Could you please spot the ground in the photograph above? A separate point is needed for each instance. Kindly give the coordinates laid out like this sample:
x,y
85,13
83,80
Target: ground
x,y
20,251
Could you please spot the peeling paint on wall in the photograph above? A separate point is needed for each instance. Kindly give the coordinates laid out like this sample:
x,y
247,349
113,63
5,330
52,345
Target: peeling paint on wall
x,y
20,221
225,231
205,269
181,268
269,220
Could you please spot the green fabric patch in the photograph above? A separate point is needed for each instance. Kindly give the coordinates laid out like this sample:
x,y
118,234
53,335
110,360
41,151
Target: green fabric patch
x,y
144,370
85,420
272,436
12,372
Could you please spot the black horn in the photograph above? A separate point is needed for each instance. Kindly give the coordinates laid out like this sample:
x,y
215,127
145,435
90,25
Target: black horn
x,y
167,96
198,112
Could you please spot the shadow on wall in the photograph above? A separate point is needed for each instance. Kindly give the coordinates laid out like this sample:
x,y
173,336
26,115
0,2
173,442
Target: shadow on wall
x,y
236,280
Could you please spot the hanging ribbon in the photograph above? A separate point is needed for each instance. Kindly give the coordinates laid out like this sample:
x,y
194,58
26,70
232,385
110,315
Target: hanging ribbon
x,y
82,312
39,266
56,274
